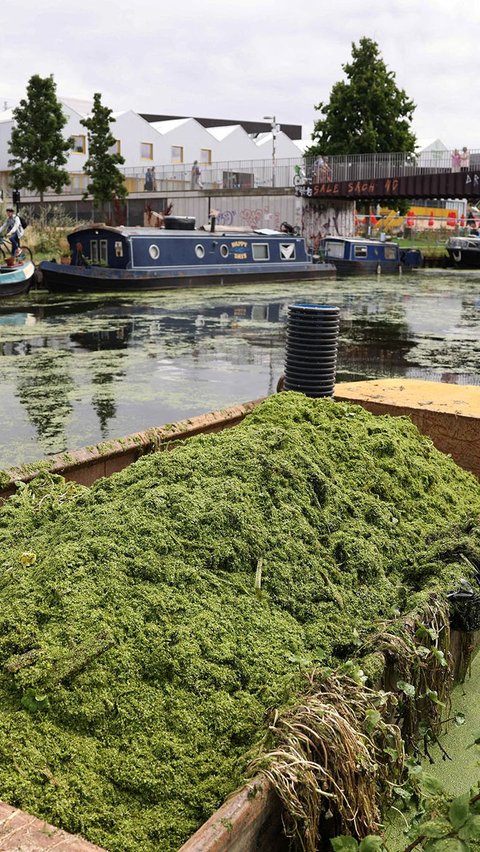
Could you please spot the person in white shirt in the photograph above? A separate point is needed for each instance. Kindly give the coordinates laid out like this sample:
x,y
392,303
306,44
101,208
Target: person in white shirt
x,y
13,227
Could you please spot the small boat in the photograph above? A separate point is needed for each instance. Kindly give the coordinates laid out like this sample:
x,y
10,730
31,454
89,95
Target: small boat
x,y
16,278
358,256
176,256
464,252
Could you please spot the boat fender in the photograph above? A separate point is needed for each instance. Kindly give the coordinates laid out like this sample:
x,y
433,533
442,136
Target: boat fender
x,y
379,269
457,256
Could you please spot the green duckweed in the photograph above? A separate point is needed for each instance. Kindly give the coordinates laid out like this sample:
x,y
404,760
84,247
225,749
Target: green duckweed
x,y
150,622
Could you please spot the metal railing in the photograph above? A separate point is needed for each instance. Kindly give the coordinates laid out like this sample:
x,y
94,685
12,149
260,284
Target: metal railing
x,y
281,174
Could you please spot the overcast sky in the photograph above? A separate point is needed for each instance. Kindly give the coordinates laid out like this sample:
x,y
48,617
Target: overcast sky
x,y
245,59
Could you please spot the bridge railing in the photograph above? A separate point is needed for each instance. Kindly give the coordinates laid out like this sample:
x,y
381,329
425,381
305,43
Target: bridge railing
x,y
280,174
354,167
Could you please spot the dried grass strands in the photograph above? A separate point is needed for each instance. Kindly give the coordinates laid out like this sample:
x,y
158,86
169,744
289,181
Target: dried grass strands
x,y
335,757
416,649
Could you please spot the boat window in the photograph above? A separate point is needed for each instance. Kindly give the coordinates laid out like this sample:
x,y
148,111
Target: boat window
x,y
118,248
200,250
154,251
360,251
260,251
94,251
103,251
333,249
390,252
287,251
224,250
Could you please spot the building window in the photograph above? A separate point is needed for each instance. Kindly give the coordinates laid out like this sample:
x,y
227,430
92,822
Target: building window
x,y
146,150
176,154
206,156
78,144
115,148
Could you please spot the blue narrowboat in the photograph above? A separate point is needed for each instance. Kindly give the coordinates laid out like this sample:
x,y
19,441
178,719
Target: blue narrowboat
x,y
357,256
178,255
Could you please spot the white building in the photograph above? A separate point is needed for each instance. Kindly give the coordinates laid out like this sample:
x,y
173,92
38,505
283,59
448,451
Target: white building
x,y
170,146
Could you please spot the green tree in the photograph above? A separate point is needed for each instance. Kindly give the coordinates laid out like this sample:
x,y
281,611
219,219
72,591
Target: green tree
x,y
37,145
367,113
106,181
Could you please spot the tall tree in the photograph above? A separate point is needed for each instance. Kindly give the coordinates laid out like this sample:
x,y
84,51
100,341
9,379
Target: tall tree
x,y
106,181
38,147
367,113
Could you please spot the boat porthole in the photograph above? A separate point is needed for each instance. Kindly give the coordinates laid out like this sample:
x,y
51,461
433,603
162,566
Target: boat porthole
x,y
154,252
200,250
224,250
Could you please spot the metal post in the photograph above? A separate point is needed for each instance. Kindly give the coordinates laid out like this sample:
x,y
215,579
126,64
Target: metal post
x,y
275,129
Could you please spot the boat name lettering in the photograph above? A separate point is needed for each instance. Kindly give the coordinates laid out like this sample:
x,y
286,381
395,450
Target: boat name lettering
x,y
239,244
360,186
240,255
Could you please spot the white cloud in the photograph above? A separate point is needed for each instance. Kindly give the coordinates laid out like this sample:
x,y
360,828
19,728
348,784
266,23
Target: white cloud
x,y
241,59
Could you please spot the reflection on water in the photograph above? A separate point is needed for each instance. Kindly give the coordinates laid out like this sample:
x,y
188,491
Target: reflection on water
x,y
76,371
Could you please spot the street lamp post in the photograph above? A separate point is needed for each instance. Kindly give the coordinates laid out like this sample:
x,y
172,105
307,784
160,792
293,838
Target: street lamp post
x,y
275,129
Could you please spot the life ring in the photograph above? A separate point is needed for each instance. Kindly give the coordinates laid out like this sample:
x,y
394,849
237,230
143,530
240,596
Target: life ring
x,y
457,256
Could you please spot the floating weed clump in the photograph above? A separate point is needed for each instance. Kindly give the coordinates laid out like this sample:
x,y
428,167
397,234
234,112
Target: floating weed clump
x,y
149,623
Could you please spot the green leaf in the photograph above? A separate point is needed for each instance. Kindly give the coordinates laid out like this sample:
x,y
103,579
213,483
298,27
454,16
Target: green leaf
x,y
407,688
33,702
344,843
423,652
439,656
430,784
432,694
459,810
471,828
435,828
373,718
371,843
447,844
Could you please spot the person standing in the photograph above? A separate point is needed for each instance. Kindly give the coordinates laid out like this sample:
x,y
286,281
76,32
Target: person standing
x,y
464,159
13,227
456,160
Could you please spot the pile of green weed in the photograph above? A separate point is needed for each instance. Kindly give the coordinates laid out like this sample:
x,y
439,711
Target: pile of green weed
x,y
148,623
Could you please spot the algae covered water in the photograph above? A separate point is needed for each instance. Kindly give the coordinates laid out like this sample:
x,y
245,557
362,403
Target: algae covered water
x,y
149,623
74,372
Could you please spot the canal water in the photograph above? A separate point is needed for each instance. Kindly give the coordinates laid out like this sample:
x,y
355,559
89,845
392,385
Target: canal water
x,y
76,371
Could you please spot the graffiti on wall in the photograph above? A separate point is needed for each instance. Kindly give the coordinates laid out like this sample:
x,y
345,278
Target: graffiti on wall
x,y
319,221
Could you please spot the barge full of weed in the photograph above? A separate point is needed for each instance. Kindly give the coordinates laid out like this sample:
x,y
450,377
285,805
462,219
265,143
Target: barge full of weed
x,y
150,622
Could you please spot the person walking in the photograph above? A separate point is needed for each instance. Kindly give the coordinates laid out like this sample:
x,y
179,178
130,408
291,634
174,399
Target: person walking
x,y
195,182
13,227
